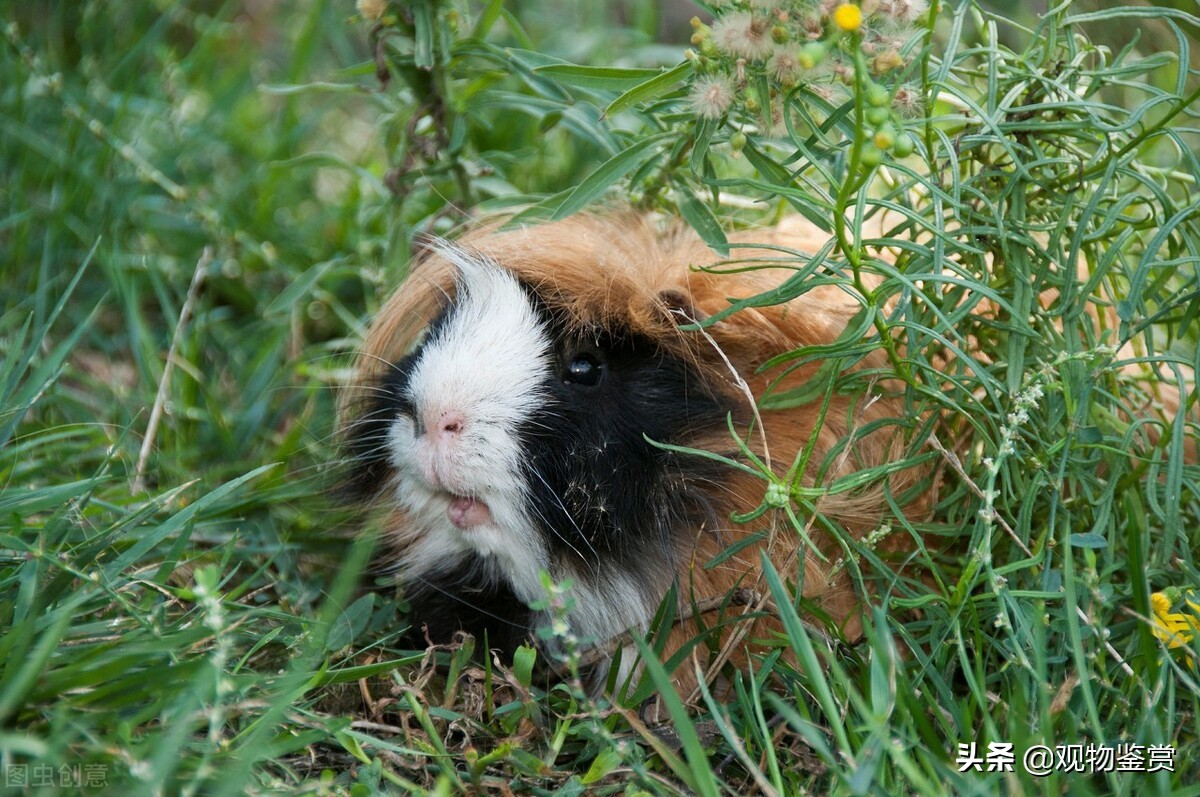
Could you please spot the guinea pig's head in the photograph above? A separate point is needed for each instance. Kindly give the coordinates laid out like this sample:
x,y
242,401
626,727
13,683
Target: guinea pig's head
x,y
510,418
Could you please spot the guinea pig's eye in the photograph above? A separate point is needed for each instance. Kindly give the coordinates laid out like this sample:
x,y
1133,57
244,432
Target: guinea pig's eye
x,y
583,369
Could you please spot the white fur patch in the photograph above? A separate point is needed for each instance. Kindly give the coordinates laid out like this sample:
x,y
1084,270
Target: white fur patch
x,y
486,364
602,613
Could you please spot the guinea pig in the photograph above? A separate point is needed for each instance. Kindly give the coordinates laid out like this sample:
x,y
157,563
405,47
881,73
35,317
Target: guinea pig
x,y
520,406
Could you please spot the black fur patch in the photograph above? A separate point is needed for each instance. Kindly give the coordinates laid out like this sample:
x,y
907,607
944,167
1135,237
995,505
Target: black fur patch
x,y
467,600
364,438
609,501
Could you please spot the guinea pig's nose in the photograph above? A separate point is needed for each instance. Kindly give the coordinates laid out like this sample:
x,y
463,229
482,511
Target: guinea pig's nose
x,y
449,425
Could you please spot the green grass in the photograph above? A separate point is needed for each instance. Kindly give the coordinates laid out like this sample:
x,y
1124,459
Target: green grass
x,y
199,624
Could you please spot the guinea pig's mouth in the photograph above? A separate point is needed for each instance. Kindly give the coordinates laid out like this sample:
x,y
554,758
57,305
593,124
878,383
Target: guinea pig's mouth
x,y
467,513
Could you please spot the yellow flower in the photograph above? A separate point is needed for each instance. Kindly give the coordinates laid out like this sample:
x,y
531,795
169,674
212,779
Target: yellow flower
x,y
1175,629
848,17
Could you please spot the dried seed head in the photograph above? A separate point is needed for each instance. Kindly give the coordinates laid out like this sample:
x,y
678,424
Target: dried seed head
x,y
743,35
711,96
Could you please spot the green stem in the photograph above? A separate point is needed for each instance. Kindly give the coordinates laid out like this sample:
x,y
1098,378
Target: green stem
x,y
856,179
931,21
444,117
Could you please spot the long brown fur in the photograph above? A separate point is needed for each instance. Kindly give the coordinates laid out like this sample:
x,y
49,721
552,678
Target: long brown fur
x,y
624,271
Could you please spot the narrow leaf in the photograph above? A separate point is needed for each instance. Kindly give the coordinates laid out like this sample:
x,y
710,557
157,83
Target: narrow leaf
x,y
597,77
700,218
616,167
653,88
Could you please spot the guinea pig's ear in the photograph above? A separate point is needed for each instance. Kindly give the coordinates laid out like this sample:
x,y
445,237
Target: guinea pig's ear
x,y
680,307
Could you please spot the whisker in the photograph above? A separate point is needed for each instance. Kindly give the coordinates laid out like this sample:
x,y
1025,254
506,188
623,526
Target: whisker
x,y
370,417
567,514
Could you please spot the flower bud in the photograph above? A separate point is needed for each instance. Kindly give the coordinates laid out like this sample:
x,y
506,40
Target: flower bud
x,y
886,61
877,96
904,145
885,136
811,55
371,10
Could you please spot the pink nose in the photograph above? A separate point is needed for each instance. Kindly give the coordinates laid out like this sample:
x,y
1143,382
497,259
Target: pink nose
x,y
449,425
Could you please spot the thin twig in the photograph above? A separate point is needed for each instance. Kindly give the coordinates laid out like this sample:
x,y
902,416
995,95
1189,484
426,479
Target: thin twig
x,y
738,381
379,727
160,399
951,458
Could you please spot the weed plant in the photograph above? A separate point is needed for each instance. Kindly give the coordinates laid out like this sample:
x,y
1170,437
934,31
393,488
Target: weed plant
x,y
202,203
